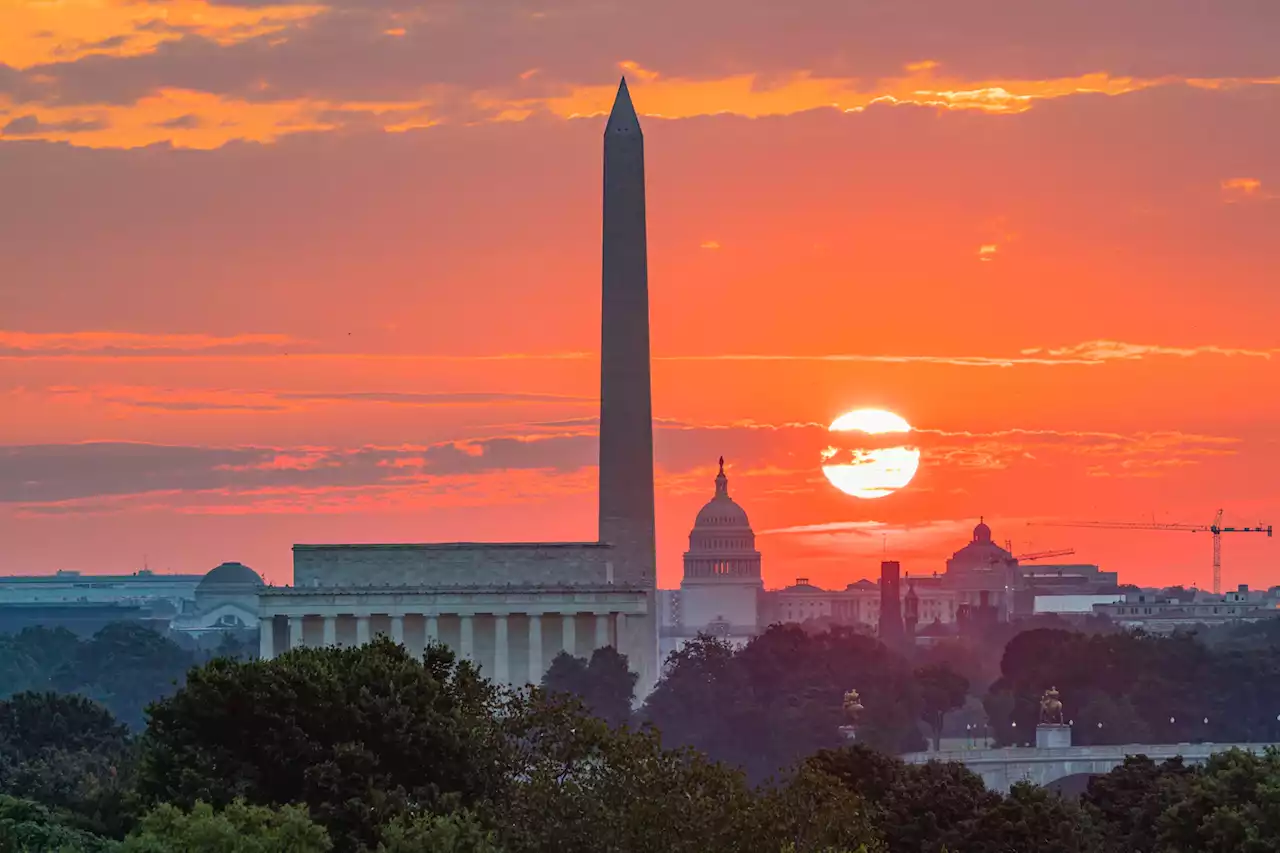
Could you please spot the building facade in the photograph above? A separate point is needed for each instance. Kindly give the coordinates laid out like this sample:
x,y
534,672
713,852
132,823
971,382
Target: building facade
x,y
512,606
1162,613
720,591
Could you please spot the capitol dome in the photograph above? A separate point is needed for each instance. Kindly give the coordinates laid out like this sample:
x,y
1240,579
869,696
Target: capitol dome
x,y
722,543
721,511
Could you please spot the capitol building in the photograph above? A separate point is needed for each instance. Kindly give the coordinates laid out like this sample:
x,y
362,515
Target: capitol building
x,y
720,592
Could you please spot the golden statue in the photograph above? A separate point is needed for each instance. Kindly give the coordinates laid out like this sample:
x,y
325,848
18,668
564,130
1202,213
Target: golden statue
x,y
852,706
1051,708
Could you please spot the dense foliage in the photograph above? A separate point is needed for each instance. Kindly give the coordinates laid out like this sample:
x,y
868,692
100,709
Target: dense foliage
x,y
371,750
767,706
1135,688
125,666
605,685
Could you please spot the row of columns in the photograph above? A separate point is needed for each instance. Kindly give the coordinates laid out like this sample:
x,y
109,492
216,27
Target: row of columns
x,y
466,639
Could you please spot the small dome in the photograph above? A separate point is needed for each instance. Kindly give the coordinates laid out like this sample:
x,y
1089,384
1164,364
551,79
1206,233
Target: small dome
x,y
228,575
982,533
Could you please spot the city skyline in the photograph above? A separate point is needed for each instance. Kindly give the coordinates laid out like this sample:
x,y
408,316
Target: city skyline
x,y
336,309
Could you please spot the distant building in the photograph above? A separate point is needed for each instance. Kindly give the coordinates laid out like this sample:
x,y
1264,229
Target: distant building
x,y
226,599
859,604
1039,584
1073,605
983,576
141,589
720,591
1158,612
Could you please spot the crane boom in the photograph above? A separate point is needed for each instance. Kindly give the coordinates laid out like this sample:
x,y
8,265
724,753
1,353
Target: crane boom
x,y
1215,528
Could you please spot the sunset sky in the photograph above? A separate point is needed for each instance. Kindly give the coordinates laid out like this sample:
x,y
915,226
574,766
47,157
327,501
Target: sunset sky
x,y
329,272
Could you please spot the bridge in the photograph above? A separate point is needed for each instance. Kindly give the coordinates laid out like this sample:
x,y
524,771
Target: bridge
x,y
1045,766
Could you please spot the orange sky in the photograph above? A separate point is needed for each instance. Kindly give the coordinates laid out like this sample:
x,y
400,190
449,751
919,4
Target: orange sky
x,y
330,272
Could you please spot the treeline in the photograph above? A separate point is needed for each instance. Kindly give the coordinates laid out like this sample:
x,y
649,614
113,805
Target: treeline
x,y
125,666
1136,688
370,749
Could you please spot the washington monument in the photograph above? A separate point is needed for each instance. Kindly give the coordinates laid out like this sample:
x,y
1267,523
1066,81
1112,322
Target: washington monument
x,y
511,607
626,416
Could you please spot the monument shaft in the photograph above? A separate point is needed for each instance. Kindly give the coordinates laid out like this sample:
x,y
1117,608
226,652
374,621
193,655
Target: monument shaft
x,y
626,415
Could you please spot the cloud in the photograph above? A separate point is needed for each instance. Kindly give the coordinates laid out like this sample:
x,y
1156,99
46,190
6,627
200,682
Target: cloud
x,y
29,125
177,400
16,343
785,456
1088,353
1244,189
1102,351
397,65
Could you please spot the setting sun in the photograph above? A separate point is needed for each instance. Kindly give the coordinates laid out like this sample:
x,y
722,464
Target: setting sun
x,y
870,472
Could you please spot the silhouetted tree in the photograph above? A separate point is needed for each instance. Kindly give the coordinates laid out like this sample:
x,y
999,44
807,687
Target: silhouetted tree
x,y
780,698
360,735
1128,803
942,690
605,684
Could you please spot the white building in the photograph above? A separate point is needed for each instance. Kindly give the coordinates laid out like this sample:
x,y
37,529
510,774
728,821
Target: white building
x,y
511,607
226,599
720,591
142,588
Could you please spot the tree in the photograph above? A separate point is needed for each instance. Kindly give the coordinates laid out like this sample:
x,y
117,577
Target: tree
x,y
33,722
239,828
942,690
1030,818
605,684
458,832
360,735
1128,803
125,666
582,787
768,705
28,826
1230,806
917,807
68,753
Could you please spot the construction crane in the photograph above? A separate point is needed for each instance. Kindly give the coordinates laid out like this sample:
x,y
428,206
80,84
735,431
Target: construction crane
x,y
1014,559
1215,528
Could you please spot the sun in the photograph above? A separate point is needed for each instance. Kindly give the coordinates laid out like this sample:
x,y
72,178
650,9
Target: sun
x,y
870,472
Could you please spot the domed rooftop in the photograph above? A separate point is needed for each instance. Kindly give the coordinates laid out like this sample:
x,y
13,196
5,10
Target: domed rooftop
x,y
228,575
721,511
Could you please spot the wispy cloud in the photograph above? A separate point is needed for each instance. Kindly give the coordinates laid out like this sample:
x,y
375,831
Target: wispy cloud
x,y
1089,353
56,343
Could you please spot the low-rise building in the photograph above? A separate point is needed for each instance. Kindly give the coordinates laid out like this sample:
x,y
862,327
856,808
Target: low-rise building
x,y
1159,612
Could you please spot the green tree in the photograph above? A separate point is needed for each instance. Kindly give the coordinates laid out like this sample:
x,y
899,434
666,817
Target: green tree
x,y
457,832
360,735
605,684
1230,806
239,828
917,807
68,753
767,706
1031,818
942,690
582,787
125,666
28,827
33,722
1128,803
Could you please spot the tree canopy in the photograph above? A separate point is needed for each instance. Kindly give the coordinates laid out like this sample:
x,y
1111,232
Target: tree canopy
x,y
780,698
